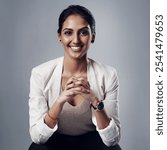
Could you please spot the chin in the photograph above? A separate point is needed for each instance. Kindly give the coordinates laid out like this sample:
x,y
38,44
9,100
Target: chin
x,y
77,55
80,56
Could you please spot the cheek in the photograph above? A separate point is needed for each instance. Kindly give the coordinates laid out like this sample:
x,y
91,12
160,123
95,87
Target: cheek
x,y
65,41
86,40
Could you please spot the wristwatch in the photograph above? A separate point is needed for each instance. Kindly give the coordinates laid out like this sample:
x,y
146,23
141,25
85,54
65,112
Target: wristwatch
x,y
99,106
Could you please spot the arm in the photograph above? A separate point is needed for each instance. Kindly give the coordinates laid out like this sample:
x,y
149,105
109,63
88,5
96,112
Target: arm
x,y
43,121
38,107
102,118
107,121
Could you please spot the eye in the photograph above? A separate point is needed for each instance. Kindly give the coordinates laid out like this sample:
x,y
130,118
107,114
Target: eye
x,y
84,32
68,33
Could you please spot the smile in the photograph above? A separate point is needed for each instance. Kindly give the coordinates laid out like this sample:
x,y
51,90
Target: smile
x,y
75,48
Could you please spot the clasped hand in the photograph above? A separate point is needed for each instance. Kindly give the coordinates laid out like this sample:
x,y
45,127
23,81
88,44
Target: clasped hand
x,y
76,86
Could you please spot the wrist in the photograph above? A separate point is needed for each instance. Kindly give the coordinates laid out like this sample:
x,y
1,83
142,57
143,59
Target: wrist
x,y
97,104
60,102
94,101
51,117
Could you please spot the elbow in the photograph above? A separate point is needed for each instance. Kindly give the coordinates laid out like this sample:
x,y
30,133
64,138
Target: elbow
x,y
36,137
40,132
112,142
111,135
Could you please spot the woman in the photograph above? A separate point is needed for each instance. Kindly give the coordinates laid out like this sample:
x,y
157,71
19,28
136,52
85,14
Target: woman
x,y
73,99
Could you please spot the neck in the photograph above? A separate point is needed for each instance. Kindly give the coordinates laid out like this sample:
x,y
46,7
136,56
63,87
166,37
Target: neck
x,y
74,66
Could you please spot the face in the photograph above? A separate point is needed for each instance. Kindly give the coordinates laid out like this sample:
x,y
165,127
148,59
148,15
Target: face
x,y
76,36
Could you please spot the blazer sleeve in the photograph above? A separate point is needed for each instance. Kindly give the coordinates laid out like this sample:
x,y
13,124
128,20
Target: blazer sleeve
x,y
111,134
38,107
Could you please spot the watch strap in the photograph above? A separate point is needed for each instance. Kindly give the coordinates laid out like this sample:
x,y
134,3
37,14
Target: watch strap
x,y
99,106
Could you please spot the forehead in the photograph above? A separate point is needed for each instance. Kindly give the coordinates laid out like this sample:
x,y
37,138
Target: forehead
x,y
75,22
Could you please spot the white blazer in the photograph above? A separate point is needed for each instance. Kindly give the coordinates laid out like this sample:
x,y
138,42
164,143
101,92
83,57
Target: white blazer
x,y
45,85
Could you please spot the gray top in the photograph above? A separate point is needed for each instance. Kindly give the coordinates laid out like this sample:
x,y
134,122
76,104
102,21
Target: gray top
x,y
76,120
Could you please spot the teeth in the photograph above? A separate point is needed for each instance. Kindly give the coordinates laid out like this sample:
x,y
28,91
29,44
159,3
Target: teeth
x,y
75,48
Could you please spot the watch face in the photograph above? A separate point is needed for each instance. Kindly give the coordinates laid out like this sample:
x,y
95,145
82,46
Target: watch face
x,y
100,106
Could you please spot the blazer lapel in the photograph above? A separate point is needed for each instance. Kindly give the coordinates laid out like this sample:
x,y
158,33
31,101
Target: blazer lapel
x,y
55,86
92,78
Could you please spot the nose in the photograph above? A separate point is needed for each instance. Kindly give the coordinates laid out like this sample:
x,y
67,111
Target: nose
x,y
76,38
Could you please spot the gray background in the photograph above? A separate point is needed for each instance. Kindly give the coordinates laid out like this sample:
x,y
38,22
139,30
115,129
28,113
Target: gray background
x,y
28,37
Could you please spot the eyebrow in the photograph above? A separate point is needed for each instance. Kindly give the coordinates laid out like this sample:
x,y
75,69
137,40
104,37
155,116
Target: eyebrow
x,y
79,29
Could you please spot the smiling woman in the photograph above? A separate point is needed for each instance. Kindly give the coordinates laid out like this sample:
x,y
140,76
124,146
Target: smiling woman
x,y
73,100
76,36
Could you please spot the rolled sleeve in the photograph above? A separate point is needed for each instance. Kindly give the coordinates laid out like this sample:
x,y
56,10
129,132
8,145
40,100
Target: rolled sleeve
x,y
109,134
40,132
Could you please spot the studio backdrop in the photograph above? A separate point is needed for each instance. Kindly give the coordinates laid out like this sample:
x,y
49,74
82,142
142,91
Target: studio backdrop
x,y
28,37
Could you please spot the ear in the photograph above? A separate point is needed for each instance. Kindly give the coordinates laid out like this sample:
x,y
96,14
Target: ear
x,y
93,38
59,37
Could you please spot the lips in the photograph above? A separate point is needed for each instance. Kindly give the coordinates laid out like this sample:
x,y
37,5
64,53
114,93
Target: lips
x,y
76,48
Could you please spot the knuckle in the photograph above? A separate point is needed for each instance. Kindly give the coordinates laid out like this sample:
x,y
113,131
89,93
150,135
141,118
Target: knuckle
x,y
71,92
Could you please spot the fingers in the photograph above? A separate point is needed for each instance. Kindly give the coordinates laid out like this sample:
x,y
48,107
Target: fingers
x,y
78,90
77,82
81,89
80,81
75,86
70,83
70,80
